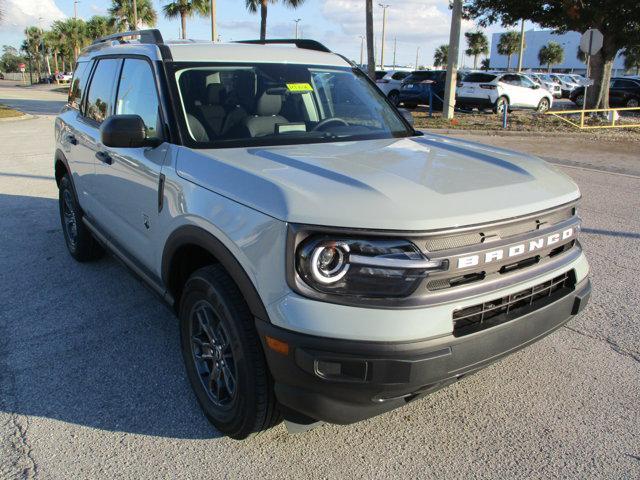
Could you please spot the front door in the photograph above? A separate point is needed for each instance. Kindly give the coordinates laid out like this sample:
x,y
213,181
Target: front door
x,y
128,179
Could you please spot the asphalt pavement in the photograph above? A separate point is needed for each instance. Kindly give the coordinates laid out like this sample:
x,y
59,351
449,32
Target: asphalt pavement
x,y
92,383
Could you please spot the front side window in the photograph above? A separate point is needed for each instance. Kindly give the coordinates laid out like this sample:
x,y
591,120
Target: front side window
x,y
274,104
101,90
526,82
137,95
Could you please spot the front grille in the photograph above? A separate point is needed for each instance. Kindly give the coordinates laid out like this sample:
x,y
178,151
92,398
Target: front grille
x,y
439,243
495,312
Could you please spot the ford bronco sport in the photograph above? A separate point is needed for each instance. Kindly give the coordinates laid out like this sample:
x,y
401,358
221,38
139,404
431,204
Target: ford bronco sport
x,y
326,261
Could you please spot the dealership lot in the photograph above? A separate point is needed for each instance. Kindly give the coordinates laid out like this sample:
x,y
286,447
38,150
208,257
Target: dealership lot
x,y
92,381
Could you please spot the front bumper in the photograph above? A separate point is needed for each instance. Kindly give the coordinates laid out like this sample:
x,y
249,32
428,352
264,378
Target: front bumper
x,y
344,381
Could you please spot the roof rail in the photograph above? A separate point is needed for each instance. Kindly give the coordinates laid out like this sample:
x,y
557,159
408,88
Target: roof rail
x,y
152,36
300,43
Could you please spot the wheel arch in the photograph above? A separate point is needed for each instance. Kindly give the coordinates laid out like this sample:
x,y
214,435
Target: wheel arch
x,y
189,248
61,166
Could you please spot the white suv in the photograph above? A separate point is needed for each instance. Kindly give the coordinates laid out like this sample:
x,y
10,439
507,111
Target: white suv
x,y
390,84
500,90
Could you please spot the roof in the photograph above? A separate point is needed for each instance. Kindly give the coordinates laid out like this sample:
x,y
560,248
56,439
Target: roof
x,y
190,51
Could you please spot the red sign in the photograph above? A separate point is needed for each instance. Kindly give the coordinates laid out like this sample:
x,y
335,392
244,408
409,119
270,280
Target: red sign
x,y
22,67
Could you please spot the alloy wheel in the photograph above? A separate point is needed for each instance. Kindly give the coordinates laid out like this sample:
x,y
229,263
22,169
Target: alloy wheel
x,y
69,215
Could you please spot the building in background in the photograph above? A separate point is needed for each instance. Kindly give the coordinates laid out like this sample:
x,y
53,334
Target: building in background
x,y
535,40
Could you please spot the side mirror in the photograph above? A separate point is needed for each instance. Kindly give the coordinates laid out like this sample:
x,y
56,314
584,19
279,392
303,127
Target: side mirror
x,y
408,116
125,131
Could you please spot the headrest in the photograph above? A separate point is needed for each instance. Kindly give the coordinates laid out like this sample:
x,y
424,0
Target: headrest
x,y
214,93
269,105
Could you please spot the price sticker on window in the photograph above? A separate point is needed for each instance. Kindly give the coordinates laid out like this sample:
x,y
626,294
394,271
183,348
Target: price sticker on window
x,y
299,87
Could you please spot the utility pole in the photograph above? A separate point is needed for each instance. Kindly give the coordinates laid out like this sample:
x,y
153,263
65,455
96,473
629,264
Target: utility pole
x,y
452,67
521,46
361,50
417,54
297,20
214,37
395,44
135,15
384,24
75,8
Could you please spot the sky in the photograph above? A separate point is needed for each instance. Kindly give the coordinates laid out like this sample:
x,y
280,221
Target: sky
x,y
336,23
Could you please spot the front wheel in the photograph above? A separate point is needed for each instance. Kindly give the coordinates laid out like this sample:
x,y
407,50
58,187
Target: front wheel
x,y
543,106
579,101
223,357
632,103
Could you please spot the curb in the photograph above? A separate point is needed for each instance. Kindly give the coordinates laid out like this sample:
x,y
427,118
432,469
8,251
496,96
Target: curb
x,y
24,116
509,133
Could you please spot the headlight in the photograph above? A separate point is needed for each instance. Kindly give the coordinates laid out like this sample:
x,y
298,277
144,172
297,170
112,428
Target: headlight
x,y
358,267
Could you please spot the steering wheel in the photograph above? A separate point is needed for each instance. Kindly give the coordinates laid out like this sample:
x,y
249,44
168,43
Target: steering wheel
x,y
328,121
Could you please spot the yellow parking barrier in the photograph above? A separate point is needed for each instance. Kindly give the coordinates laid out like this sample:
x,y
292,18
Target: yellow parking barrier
x,y
582,126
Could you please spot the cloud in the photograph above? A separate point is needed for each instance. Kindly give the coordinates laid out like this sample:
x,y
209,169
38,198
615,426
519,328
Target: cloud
x,y
19,14
423,23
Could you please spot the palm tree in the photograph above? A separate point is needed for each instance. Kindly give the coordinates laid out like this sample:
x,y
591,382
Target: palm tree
x,y
53,46
485,64
32,45
100,26
551,54
184,9
509,44
371,61
74,34
478,45
441,56
252,6
632,58
121,12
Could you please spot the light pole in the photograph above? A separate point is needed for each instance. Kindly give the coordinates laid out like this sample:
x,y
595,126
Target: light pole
x,y
361,50
417,54
213,21
297,20
521,54
75,8
384,24
395,44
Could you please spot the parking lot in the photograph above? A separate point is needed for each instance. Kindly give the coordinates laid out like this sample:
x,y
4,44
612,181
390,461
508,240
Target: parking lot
x,y
92,382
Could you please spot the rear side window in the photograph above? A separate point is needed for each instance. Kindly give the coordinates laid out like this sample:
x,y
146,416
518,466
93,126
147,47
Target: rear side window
x,y
101,90
78,84
399,75
624,84
479,78
137,94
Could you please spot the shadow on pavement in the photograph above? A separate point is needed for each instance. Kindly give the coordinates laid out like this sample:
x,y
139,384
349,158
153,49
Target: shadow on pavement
x,y
85,343
34,107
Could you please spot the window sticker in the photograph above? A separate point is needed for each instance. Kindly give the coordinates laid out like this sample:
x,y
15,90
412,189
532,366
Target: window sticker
x,y
299,87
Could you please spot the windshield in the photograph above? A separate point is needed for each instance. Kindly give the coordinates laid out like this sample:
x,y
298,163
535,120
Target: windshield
x,y
275,104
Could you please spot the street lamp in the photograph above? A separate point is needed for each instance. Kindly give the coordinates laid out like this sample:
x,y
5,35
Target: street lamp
x,y
75,8
213,21
297,20
417,54
384,23
361,50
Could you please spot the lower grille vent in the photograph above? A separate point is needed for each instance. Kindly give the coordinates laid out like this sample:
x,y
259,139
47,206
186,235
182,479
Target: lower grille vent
x,y
489,314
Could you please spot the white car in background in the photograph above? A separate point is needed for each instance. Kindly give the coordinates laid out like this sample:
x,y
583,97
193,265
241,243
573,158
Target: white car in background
x,y
502,90
390,84
552,86
566,82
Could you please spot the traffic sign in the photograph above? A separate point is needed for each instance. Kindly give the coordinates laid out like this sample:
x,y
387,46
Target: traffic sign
x,y
22,67
591,41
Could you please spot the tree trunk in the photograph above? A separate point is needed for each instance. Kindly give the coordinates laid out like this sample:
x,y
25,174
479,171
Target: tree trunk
x,y
475,62
263,19
371,61
183,20
55,61
64,63
601,66
508,62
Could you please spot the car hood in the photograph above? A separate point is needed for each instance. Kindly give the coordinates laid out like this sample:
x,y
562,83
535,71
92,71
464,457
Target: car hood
x,y
416,183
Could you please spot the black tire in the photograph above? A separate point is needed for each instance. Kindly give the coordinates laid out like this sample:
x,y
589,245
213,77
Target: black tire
x,y
579,100
80,242
394,97
240,400
543,106
502,102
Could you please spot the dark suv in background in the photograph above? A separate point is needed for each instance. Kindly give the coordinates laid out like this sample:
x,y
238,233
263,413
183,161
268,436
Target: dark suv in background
x,y
623,92
415,88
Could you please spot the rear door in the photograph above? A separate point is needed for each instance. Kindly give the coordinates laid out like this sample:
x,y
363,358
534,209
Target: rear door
x,y
621,91
512,85
128,179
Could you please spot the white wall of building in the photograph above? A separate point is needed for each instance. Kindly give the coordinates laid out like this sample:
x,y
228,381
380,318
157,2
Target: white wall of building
x,y
535,40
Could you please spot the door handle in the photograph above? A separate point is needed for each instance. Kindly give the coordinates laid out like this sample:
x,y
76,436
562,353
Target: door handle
x,y
71,139
104,157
